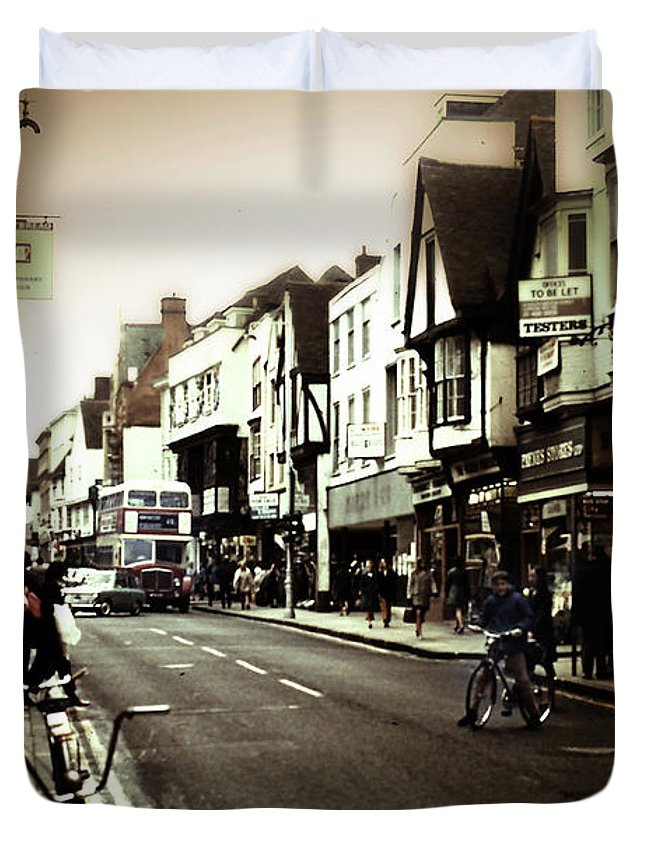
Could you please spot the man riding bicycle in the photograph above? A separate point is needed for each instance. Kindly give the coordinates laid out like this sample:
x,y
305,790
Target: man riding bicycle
x,y
508,610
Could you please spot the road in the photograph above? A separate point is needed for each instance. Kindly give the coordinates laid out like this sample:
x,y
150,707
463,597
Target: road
x,y
265,716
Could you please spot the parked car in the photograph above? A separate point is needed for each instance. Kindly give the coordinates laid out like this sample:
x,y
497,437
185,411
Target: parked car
x,y
104,591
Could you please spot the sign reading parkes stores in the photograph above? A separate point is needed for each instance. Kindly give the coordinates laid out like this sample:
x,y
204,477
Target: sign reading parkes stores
x,y
555,306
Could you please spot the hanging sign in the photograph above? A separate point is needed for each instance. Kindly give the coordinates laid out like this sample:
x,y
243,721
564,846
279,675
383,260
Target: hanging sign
x,y
34,257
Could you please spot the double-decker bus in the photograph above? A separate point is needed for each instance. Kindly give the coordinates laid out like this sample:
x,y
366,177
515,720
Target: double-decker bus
x,y
145,527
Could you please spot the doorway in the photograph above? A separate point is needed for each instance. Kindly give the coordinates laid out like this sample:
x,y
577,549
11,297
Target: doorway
x,y
439,547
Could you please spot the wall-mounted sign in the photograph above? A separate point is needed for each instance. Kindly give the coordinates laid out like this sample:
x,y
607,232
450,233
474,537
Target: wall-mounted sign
x,y
550,307
264,505
548,357
556,452
365,441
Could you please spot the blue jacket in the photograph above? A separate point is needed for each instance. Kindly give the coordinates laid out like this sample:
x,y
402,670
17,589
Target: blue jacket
x,y
503,613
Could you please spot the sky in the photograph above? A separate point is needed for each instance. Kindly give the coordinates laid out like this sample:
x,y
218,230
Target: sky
x,y
198,194
592,825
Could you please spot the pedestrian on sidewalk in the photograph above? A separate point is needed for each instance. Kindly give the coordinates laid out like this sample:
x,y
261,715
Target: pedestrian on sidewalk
x,y
243,584
369,591
386,590
355,572
420,592
343,590
51,653
224,580
591,610
458,591
540,601
209,577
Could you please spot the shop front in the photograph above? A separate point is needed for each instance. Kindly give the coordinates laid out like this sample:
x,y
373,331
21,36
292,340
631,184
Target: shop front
x,y
373,518
439,534
565,495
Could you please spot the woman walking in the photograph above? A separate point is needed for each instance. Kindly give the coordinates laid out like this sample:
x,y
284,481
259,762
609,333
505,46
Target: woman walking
x,y
458,591
369,592
386,591
420,593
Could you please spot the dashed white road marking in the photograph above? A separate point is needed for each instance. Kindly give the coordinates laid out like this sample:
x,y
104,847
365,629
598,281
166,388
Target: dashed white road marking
x,y
214,652
176,665
300,687
250,666
183,640
158,631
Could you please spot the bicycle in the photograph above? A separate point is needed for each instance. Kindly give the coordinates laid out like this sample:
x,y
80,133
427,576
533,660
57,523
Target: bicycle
x,y
69,775
481,693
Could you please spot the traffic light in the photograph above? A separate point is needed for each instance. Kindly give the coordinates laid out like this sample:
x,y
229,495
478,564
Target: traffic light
x,y
296,528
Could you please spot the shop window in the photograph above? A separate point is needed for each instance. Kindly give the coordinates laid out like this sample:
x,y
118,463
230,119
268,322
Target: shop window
x,y
450,387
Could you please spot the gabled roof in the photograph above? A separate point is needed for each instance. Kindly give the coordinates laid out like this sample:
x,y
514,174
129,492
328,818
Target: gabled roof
x,y
474,209
270,295
310,319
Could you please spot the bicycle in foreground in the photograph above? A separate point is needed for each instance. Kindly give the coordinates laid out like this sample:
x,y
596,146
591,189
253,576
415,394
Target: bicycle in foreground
x,y
488,675
71,777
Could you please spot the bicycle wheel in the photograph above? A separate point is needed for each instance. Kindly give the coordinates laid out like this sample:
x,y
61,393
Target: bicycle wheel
x,y
543,694
481,695
64,751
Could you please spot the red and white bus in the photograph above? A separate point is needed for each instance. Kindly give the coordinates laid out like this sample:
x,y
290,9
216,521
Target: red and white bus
x,y
145,526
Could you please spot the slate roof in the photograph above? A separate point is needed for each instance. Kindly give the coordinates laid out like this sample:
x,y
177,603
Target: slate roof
x,y
474,210
270,295
139,342
310,319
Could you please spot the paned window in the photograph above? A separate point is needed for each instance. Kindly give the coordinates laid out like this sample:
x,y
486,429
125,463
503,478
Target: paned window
x,y
449,387
335,346
350,337
256,380
365,331
255,457
529,384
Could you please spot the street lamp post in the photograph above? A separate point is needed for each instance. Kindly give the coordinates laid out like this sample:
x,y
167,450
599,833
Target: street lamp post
x,y
288,580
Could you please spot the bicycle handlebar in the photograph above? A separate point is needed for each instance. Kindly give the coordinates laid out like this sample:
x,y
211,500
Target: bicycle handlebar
x,y
128,713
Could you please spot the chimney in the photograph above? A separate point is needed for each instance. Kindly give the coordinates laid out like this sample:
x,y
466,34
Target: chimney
x,y
365,262
173,319
102,387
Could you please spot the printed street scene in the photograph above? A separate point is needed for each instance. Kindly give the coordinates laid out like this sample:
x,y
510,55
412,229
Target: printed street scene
x,y
319,391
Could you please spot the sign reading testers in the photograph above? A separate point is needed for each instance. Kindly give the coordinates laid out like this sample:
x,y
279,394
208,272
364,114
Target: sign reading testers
x,y
555,306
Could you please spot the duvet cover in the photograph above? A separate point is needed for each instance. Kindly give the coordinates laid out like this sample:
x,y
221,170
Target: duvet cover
x,y
346,333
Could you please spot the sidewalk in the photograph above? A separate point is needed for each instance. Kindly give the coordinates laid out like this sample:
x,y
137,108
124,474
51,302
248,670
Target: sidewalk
x,y
439,640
